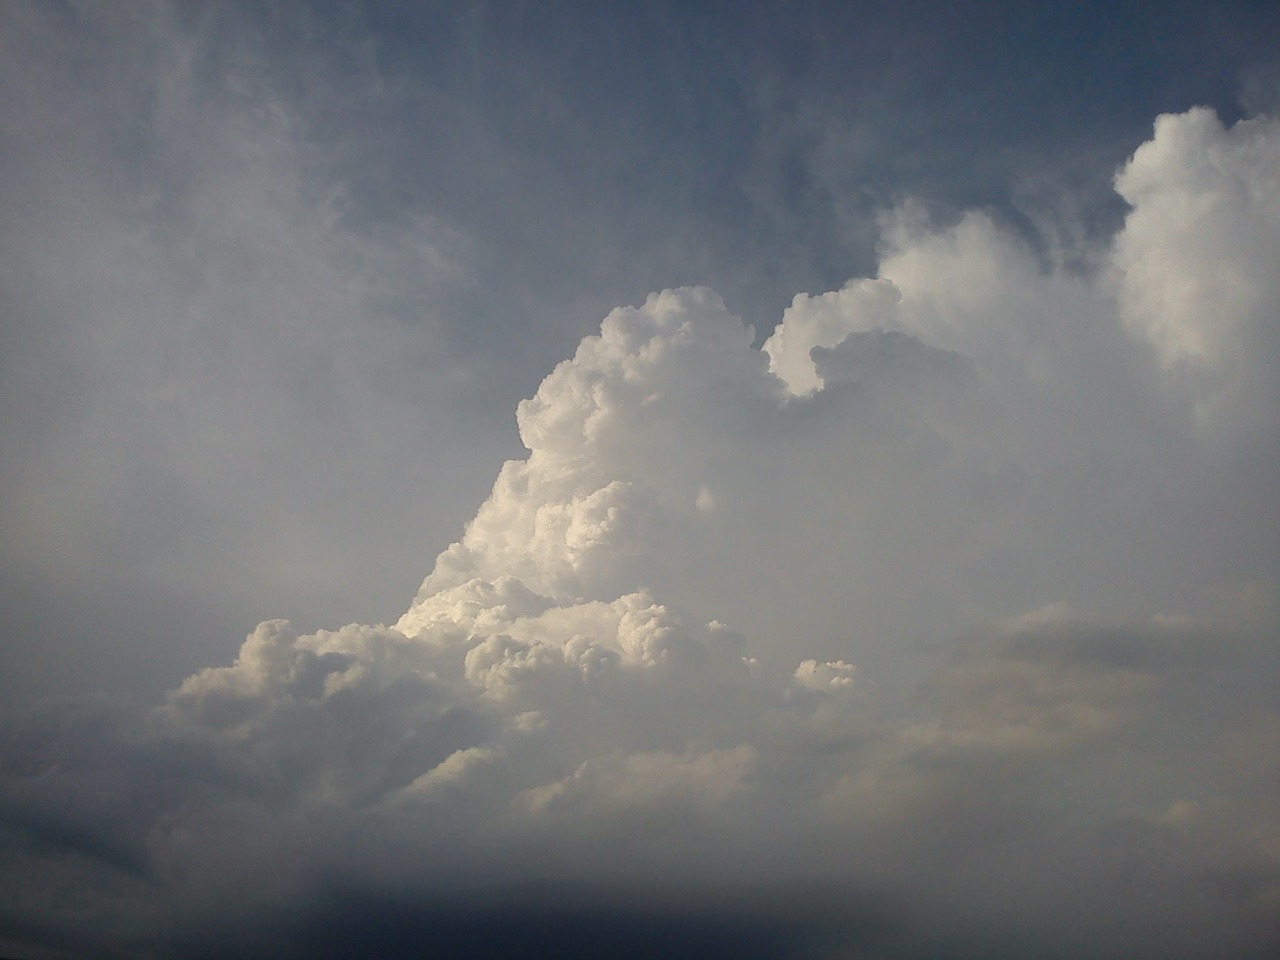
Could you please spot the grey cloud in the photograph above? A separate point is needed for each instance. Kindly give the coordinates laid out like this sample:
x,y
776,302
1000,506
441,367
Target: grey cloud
x,y
204,351
245,251
943,624
1120,770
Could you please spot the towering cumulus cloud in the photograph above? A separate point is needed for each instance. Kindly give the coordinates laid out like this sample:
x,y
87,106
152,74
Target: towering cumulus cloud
x,y
942,624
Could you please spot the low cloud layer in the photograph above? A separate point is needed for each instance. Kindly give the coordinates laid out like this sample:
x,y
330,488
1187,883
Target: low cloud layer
x,y
942,624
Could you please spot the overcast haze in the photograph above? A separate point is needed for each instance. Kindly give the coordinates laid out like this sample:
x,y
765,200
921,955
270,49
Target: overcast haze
x,y
841,443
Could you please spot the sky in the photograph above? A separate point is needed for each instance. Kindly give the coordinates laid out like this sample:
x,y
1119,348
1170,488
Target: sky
x,y
779,480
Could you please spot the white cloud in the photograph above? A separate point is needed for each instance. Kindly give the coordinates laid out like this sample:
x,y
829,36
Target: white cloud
x,y
825,321
973,499
1197,274
829,676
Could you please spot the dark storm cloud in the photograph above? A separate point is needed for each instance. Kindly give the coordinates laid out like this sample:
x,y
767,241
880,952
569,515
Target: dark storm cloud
x,y
561,921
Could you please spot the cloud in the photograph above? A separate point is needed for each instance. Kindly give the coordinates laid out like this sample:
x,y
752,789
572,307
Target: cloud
x,y
206,345
1195,280
929,625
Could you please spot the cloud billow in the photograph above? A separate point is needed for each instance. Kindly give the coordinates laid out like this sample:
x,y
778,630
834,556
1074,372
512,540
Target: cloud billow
x,y
928,626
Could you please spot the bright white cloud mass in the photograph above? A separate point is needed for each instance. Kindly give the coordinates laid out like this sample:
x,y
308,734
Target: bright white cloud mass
x,y
940,621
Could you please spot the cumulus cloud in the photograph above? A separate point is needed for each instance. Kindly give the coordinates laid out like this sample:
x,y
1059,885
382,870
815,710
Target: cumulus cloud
x,y
935,607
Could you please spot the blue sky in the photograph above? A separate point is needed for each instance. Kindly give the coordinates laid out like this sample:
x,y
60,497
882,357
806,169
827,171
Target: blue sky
x,y
881,400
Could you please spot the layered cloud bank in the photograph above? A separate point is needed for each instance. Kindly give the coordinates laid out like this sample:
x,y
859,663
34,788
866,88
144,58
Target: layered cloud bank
x,y
943,623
